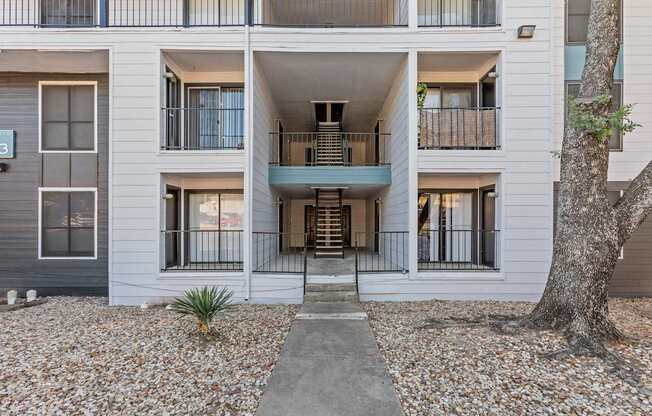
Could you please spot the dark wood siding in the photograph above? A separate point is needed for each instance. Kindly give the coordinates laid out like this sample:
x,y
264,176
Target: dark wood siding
x,y
20,267
633,274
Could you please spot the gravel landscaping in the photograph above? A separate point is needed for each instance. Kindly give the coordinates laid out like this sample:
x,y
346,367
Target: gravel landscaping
x,y
471,370
74,356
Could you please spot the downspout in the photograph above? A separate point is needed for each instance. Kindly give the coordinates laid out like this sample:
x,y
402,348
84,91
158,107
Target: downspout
x,y
249,144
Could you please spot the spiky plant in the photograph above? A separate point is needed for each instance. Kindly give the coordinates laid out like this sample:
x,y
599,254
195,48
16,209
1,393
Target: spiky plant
x,y
203,304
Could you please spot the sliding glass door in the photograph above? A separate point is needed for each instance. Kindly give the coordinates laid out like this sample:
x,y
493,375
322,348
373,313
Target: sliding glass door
x,y
214,221
446,227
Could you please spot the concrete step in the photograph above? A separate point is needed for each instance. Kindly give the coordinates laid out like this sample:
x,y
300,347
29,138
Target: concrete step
x,y
330,287
331,296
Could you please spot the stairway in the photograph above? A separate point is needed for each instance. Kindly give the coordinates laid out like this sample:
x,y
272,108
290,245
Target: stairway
x,y
329,144
329,241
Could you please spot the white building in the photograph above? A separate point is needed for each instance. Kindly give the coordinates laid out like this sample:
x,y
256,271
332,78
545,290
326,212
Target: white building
x,y
245,140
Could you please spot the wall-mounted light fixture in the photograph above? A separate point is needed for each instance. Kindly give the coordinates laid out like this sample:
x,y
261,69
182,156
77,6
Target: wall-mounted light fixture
x,y
168,196
526,31
492,75
4,167
492,194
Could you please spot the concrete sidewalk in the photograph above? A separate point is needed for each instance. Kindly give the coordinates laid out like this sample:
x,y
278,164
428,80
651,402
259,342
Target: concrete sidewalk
x,y
330,365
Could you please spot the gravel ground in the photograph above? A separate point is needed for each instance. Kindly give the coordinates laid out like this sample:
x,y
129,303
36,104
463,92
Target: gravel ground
x,y
79,356
473,371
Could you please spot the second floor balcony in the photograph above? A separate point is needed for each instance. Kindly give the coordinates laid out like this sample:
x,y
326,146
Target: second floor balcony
x,y
329,158
459,128
198,129
203,13
224,13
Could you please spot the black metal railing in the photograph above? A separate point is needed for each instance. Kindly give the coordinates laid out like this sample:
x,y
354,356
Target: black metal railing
x,y
49,13
459,128
382,252
282,253
303,149
330,13
460,250
202,250
176,13
458,13
202,128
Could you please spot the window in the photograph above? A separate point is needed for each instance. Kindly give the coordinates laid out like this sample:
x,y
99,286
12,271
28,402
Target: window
x,y
616,141
68,223
68,12
577,20
68,117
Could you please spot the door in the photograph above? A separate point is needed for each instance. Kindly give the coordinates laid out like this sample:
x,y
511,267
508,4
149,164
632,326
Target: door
x,y
172,240
310,225
173,114
203,119
346,225
203,226
488,228
231,115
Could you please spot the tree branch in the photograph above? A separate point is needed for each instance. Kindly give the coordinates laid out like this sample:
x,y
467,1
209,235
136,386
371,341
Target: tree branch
x,y
635,204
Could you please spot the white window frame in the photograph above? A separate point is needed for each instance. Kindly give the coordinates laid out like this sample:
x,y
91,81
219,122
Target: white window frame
x,y
98,13
40,223
41,84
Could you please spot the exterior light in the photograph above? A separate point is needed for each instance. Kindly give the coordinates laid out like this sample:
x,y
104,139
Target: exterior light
x,y
4,167
526,31
168,196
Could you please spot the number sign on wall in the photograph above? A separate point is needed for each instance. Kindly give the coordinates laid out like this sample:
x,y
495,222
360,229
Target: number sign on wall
x,y
7,144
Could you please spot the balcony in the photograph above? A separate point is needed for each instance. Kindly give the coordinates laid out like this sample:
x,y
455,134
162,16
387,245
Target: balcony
x,y
202,250
197,129
459,13
458,97
123,13
459,128
457,250
329,159
330,13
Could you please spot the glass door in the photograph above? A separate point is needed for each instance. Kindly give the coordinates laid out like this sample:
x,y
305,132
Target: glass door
x,y
203,118
203,226
231,222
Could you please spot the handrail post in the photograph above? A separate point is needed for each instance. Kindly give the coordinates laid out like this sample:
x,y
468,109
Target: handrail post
x,y
357,285
305,262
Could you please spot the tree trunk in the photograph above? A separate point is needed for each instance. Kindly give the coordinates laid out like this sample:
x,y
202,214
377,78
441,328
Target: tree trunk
x,y
587,240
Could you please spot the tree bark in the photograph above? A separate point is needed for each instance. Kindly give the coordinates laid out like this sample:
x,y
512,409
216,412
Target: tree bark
x,y
590,231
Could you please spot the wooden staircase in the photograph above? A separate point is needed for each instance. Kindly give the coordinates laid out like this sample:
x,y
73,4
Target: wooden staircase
x,y
329,144
329,239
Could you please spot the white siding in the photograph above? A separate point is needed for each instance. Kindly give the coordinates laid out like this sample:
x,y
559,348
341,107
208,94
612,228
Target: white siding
x,y
265,114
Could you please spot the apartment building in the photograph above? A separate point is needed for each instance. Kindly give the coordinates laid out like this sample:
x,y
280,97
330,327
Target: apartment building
x,y
399,148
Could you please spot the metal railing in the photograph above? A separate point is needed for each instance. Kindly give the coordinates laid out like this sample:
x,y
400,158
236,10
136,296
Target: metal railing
x,y
202,128
202,250
301,149
176,13
382,252
49,13
458,250
123,13
459,128
274,252
458,13
330,13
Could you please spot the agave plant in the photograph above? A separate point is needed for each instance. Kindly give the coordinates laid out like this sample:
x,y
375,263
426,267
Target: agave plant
x,y
203,304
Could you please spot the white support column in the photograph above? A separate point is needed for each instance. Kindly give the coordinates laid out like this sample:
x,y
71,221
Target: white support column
x,y
413,179
249,154
413,16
